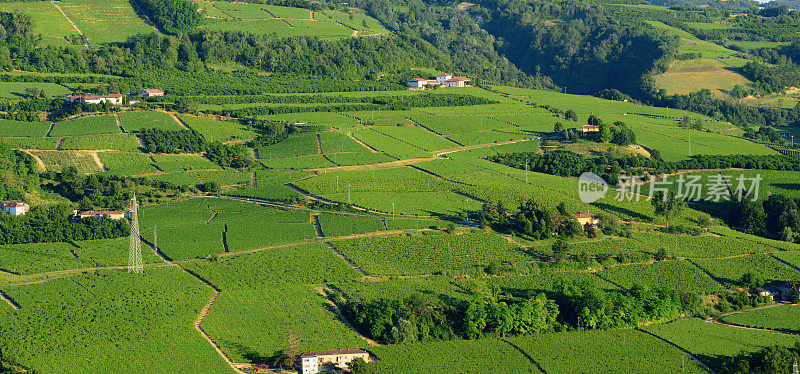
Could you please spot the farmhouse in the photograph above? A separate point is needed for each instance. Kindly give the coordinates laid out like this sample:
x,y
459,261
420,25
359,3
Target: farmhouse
x,y
417,83
151,92
15,207
589,128
456,82
318,361
112,214
115,99
584,218
441,78
783,290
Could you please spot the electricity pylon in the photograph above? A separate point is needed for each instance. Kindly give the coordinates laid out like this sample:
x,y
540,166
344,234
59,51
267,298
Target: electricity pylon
x,y
135,254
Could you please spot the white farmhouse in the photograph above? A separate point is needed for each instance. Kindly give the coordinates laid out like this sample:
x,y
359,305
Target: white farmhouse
x,y
115,99
441,78
318,361
15,207
456,82
417,83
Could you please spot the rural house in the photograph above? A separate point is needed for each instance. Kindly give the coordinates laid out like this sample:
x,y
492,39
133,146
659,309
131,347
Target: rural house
x,y
589,128
15,207
417,83
151,92
456,82
441,78
112,214
115,99
319,361
782,290
584,218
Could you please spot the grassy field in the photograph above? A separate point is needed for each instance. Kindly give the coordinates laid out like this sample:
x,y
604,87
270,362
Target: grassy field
x,y
46,257
105,21
709,342
57,160
134,121
458,356
13,90
674,274
86,321
613,351
268,295
18,128
47,21
779,318
212,129
86,126
427,252
194,228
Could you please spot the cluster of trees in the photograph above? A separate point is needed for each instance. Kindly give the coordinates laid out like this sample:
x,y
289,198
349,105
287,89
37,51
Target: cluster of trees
x,y
18,171
577,45
420,318
170,16
172,141
189,141
532,219
269,132
617,133
776,217
766,134
577,305
767,360
91,191
370,103
567,163
52,224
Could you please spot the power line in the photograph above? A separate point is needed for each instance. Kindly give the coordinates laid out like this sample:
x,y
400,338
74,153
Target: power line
x,y
135,253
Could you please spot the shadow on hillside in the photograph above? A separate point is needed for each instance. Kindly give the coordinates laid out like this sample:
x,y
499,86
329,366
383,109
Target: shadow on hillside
x,y
621,210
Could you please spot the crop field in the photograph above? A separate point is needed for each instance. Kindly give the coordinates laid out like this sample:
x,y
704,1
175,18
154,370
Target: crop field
x,y
708,342
194,177
354,19
138,120
315,118
83,321
302,162
183,162
57,160
117,142
47,21
268,295
730,270
30,142
45,257
719,77
105,21
416,135
86,126
391,146
18,128
281,28
401,288
269,185
127,163
427,252
777,244
772,181
194,228
672,274
549,281
779,318
212,129
790,257
611,351
337,142
341,225
295,145
709,246
457,356
11,90
359,158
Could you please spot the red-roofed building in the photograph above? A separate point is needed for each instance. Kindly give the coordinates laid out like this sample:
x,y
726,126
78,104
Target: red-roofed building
x,y
317,361
456,82
15,207
112,214
584,218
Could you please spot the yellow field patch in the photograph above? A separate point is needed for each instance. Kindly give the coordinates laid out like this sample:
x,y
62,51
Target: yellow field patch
x,y
720,80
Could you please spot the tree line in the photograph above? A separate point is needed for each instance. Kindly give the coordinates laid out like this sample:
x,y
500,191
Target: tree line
x,y
576,305
170,16
47,224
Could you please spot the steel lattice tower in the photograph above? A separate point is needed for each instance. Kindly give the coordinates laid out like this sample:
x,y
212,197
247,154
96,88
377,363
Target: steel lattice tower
x,y
135,254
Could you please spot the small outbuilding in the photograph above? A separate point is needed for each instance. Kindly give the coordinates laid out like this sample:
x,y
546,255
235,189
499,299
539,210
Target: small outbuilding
x,y
151,92
111,214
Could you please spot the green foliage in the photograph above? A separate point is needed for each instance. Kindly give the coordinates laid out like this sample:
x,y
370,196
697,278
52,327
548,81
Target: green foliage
x,y
171,16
